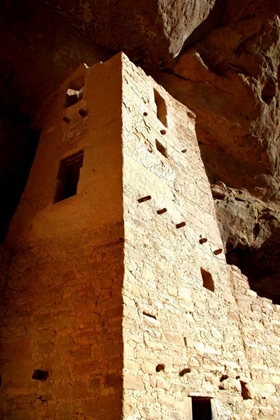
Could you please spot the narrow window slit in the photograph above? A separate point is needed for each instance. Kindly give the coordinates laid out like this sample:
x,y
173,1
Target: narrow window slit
x,y
67,120
161,108
143,199
161,149
218,251
202,240
244,391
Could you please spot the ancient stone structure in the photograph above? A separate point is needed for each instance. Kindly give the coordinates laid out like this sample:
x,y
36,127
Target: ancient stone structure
x,y
118,300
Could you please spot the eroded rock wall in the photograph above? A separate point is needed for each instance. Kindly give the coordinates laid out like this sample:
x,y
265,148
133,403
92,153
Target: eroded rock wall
x,y
151,31
38,51
250,231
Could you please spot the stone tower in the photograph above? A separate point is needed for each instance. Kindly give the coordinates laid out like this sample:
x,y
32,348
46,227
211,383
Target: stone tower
x,y
119,302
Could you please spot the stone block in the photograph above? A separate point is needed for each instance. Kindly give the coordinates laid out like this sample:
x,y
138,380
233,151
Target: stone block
x,y
67,411
133,382
45,335
61,372
22,415
74,390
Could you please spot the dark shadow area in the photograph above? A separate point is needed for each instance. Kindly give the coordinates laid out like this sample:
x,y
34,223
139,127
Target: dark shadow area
x,y
261,266
212,21
269,91
68,176
201,408
235,171
38,51
18,146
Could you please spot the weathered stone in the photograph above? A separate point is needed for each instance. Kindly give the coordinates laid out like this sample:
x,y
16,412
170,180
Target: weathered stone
x,y
162,28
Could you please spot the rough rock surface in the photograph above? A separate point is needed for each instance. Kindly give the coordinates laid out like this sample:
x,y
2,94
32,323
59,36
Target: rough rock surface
x,y
150,31
250,231
38,51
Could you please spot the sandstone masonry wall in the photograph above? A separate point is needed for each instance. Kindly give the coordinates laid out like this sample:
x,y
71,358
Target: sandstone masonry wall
x,y
259,324
63,312
184,335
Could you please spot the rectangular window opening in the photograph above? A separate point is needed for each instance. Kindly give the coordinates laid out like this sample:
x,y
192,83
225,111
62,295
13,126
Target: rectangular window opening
x,y
161,108
68,176
75,91
161,149
207,279
201,408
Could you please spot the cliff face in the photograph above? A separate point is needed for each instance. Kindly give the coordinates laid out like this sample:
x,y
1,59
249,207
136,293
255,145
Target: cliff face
x,y
220,58
232,83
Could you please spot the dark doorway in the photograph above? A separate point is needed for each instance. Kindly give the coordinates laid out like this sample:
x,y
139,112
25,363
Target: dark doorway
x,y
201,408
68,176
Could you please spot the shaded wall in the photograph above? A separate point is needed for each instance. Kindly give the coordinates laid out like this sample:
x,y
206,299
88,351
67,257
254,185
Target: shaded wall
x,y
61,330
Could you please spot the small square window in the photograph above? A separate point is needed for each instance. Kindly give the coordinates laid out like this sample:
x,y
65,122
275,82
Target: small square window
x,y
68,176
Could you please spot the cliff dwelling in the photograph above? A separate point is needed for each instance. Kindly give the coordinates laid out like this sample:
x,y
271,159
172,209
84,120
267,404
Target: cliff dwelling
x,y
139,254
